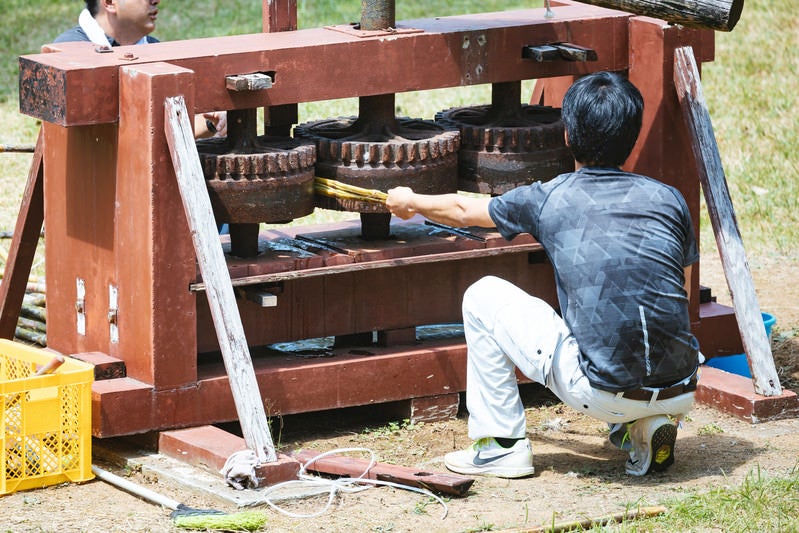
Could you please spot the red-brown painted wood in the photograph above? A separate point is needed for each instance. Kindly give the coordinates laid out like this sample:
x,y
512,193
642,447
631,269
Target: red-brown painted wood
x,y
340,465
113,214
446,52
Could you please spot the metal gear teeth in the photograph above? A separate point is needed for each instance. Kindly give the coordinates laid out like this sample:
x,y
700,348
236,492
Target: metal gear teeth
x,y
386,154
259,166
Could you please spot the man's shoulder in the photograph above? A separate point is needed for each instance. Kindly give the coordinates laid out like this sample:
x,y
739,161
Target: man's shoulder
x,y
75,33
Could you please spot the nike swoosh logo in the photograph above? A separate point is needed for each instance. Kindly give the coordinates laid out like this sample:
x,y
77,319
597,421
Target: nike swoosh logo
x,y
479,461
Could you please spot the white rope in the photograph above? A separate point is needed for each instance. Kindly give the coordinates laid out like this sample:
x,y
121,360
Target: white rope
x,y
334,486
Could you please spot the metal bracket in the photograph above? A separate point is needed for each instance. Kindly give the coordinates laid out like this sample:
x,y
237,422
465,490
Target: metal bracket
x,y
558,52
80,305
113,314
249,82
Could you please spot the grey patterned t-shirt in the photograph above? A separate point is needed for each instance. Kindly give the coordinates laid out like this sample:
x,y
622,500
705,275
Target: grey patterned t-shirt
x,y
619,243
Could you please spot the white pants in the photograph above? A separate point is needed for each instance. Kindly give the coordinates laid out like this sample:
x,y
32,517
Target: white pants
x,y
507,329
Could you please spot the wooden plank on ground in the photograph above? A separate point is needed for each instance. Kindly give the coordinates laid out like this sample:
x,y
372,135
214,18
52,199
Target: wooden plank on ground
x,y
23,245
725,227
340,465
221,299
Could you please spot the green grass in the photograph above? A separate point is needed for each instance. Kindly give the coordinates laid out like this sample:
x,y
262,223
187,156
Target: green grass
x,y
759,503
752,89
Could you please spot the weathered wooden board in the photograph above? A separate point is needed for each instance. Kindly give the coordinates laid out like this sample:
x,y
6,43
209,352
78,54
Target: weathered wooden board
x,y
725,226
230,332
23,245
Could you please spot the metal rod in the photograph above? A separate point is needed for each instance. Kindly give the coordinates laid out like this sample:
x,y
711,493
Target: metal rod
x,y
377,15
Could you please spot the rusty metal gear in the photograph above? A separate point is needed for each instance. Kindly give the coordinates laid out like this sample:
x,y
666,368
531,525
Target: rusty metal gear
x,y
411,152
501,150
269,179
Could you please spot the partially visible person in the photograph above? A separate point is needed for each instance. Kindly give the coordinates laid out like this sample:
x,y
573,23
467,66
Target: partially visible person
x,y
130,22
620,349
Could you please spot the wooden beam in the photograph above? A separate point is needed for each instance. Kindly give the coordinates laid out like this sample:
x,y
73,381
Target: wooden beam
x,y
307,66
211,259
23,245
725,227
379,264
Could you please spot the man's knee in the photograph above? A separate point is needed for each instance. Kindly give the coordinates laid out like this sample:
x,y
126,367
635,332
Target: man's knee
x,y
479,290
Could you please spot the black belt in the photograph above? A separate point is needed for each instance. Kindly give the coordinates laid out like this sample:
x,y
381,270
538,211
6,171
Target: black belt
x,y
665,393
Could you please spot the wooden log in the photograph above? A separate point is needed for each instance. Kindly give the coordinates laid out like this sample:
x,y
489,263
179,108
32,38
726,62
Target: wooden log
x,y
34,311
224,310
31,336
32,324
23,245
35,298
725,226
721,15
340,465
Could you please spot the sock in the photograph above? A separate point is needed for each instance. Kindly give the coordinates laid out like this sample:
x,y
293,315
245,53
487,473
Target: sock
x,y
506,443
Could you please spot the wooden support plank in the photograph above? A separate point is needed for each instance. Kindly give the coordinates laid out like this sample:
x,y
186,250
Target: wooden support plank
x,y
230,332
340,465
725,227
23,245
379,264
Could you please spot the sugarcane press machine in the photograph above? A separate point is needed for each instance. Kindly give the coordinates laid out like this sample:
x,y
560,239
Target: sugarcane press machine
x,y
123,289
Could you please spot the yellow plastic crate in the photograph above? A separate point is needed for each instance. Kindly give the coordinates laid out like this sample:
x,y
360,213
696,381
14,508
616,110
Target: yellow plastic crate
x,y
45,421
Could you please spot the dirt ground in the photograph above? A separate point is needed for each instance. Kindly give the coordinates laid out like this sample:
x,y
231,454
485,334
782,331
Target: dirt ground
x,y
578,474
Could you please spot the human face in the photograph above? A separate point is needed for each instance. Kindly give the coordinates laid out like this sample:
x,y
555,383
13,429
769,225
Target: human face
x,y
135,18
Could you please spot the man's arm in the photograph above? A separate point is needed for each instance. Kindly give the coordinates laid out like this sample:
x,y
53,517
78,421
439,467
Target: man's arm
x,y
451,209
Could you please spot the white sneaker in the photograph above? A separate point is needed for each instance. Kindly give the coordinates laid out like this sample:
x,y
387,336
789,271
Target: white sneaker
x,y
487,458
619,436
653,441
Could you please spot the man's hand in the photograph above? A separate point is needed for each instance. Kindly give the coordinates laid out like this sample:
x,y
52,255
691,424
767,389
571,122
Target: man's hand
x,y
212,124
400,202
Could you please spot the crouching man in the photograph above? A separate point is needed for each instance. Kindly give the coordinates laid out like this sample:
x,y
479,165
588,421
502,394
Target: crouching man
x,y
620,349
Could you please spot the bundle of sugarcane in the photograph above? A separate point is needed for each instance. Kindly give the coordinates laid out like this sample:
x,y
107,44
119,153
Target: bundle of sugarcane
x,y
345,191
32,322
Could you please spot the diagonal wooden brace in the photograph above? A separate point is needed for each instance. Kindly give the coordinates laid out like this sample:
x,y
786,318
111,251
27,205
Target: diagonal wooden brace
x,y
725,228
222,300
23,245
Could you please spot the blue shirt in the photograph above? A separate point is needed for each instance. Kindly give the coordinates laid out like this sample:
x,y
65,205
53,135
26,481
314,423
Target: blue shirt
x,y
618,243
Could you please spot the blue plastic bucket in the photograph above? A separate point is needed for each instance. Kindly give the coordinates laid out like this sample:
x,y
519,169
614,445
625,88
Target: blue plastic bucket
x,y
737,364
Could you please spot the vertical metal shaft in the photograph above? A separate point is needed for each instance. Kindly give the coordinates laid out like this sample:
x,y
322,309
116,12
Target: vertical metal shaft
x,y
549,14
377,14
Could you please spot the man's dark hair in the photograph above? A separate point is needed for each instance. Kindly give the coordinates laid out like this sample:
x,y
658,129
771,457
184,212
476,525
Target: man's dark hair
x,y
93,6
602,115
